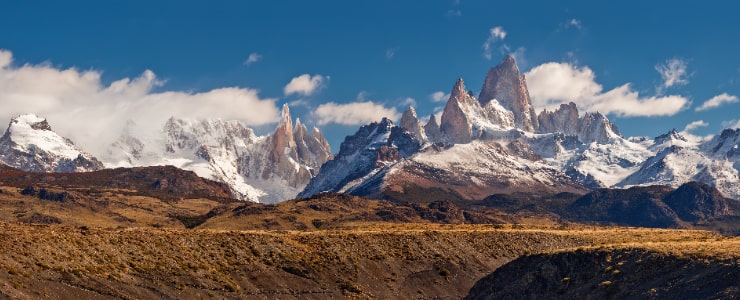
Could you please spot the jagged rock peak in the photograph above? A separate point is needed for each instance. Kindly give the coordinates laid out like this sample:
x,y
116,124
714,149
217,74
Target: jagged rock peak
x,y
506,84
564,120
595,127
410,122
432,130
670,135
456,125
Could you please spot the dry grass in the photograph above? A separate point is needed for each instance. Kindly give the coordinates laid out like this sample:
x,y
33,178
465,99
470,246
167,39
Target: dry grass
x,y
376,261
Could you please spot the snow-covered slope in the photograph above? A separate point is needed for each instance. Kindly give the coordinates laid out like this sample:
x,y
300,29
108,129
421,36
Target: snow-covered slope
x,y
30,144
259,168
497,144
678,160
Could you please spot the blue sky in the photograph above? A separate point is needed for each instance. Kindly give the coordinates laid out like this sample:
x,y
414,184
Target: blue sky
x,y
649,66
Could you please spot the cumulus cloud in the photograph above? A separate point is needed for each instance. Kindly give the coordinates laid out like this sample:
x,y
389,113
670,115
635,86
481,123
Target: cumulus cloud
x,y
354,113
439,96
253,58
688,131
718,101
673,72
694,125
304,85
79,106
495,34
552,84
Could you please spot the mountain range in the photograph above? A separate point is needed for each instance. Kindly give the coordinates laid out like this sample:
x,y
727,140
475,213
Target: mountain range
x,y
494,143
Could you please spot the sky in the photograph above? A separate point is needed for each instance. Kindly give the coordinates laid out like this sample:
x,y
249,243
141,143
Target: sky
x,y
91,66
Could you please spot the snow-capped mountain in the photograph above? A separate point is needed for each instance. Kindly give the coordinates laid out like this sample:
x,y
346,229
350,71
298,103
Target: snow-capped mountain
x,y
259,168
497,144
494,143
678,159
30,144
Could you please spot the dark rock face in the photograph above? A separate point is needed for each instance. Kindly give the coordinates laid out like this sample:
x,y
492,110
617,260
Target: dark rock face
x,y
637,206
167,183
695,201
506,84
371,150
652,206
642,274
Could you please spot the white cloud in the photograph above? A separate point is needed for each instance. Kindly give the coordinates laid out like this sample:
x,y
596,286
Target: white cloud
x,y
454,13
439,96
253,58
6,57
687,131
694,125
354,113
408,102
391,52
552,84
304,85
718,101
673,72
495,34
79,106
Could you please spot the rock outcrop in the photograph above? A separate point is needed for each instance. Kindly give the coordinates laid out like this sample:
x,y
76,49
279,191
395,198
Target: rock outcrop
x,y
507,85
434,134
410,122
456,125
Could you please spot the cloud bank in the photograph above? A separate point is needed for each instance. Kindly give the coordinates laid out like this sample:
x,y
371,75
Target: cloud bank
x,y
552,84
79,106
354,113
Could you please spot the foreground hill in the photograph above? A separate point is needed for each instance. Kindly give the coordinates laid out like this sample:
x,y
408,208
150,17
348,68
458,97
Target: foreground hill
x,y
677,270
401,261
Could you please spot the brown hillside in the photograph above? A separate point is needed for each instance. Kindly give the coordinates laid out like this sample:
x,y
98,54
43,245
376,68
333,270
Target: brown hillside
x,y
395,261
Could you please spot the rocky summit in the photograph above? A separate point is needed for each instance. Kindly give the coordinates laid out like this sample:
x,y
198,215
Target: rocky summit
x,y
497,144
29,143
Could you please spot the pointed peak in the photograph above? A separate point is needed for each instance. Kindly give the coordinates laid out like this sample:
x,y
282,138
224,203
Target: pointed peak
x,y
458,88
432,119
411,112
508,63
286,111
297,122
385,122
508,59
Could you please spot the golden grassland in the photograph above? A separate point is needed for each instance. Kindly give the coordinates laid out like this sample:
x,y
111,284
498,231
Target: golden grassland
x,y
373,261
109,243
